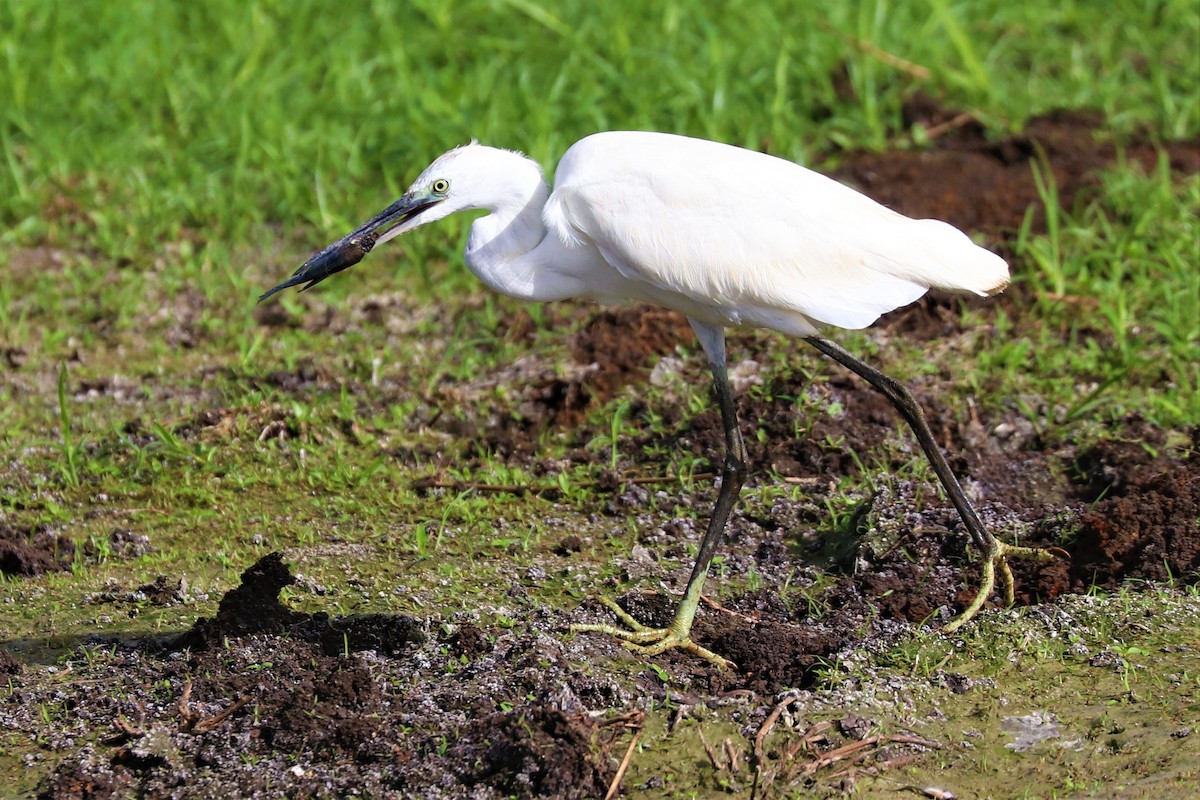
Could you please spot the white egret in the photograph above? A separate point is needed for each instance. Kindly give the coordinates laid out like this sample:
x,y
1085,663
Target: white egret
x,y
728,237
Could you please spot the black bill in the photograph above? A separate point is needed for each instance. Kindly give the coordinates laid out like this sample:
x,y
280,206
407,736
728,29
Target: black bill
x,y
354,246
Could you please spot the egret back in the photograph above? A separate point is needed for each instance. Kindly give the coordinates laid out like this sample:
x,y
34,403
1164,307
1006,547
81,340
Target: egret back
x,y
753,238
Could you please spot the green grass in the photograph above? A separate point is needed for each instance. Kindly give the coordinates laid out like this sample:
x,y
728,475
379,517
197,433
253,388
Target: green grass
x,y
163,163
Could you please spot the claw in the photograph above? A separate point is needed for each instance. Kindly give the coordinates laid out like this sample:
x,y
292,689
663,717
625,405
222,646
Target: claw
x,y
997,559
650,641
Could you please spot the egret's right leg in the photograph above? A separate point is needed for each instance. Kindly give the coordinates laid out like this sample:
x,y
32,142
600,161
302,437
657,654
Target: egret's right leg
x,y
995,552
652,641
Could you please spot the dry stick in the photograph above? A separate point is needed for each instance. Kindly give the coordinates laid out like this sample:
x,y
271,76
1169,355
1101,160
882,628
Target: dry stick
x,y
738,694
854,749
767,725
902,738
858,749
874,771
904,65
615,786
210,724
187,716
957,121
122,724
708,751
681,711
811,736
813,481
735,759
191,722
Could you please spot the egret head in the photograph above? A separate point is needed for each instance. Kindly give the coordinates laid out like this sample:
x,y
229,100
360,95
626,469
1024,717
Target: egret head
x,y
471,176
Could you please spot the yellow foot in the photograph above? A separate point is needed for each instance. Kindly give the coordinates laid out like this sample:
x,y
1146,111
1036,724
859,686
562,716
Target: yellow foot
x,y
651,641
995,561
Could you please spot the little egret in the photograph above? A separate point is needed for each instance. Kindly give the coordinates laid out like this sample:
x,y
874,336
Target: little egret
x,y
726,236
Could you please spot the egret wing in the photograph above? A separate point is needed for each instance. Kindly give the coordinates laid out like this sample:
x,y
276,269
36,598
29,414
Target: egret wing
x,y
749,235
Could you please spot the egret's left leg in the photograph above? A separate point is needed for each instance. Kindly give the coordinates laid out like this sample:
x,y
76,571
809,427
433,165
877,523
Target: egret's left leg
x,y
652,641
995,552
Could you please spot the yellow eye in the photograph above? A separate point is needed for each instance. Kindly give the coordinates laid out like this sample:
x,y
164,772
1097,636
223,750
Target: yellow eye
x,y
441,186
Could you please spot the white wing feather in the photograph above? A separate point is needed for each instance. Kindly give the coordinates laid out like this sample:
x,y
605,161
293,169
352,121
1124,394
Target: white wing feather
x,y
732,229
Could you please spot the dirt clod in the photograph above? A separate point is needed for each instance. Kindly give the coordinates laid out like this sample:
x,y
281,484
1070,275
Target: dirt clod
x,y
254,607
531,752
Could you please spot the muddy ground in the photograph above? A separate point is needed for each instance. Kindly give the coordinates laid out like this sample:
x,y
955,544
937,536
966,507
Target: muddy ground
x,y
262,700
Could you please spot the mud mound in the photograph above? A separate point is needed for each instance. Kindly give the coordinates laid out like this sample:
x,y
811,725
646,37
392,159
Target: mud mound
x,y
253,607
987,185
1148,531
622,344
250,607
531,752
305,700
81,782
316,723
772,654
29,551
9,666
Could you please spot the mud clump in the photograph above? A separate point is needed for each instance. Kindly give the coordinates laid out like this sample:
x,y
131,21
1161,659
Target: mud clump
x,y
9,666
29,551
293,695
1149,529
253,607
531,752
622,345
83,782
771,654
250,607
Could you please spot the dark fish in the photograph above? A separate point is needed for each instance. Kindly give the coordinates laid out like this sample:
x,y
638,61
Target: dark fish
x,y
342,254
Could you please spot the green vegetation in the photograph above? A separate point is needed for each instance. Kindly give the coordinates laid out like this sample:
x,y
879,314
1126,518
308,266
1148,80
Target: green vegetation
x,y
163,163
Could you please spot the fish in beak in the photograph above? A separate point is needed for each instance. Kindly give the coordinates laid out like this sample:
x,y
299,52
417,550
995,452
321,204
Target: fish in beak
x,y
354,246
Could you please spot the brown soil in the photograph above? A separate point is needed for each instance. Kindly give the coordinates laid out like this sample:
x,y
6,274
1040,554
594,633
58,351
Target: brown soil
x,y
30,551
379,705
987,185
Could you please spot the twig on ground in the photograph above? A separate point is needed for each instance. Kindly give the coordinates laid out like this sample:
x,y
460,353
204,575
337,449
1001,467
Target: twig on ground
x,y
767,725
708,751
734,756
713,604
191,722
811,736
187,717
859,749
896,62
210,724
957,121
615,786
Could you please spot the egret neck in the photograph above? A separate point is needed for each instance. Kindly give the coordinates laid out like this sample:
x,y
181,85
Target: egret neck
x,y
501,245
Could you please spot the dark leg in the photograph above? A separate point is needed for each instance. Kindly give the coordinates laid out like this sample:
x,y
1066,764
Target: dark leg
x,y
995,551
733,475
